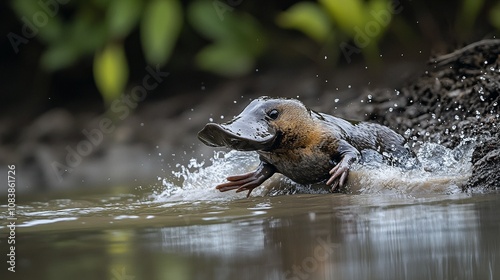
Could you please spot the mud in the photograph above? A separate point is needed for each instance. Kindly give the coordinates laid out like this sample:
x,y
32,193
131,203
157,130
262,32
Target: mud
x,y
456,98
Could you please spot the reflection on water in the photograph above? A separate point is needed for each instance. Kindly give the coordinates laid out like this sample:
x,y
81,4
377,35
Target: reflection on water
x,y
332,236
397,224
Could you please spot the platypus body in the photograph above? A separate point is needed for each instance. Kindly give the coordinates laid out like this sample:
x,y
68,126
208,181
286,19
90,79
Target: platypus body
x,y
304,145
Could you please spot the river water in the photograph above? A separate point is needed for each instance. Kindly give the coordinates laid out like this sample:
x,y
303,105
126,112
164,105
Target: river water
x,y
184,229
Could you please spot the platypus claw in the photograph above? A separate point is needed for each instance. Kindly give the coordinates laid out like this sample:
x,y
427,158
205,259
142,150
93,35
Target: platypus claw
x,y
248,181
340,171
339,177
241,183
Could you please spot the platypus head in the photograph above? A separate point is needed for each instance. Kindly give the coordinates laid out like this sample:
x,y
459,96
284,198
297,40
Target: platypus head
x,y
261,125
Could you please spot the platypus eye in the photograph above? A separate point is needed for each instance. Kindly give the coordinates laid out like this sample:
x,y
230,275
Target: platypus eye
x,y
273,114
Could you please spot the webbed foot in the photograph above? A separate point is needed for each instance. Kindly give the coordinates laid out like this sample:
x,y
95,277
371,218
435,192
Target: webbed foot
x,y
248,181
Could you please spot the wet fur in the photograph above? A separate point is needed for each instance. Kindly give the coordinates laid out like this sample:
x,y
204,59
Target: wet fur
x,y
304,145
308,147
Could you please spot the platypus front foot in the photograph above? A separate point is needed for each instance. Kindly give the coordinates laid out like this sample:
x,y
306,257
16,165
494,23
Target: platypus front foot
x,y
340,172
248,181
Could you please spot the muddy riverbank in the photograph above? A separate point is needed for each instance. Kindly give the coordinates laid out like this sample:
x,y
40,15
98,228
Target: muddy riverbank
x,y
456,98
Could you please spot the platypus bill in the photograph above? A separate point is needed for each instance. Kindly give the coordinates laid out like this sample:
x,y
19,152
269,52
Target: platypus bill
x,y
304,145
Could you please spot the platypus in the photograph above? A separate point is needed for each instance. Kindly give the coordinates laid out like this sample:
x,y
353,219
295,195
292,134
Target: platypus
x,y
304,145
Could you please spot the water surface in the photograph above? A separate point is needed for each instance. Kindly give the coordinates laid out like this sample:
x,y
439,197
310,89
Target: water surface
x,y
184,229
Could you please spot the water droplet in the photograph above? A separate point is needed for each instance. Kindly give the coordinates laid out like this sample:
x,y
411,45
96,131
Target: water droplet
x,y
210,120
142,124
336,100
257,70
222,117
349,86
326,57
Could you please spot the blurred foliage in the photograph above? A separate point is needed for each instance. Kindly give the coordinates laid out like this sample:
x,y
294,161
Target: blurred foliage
x,y
160,27
495,16
111,71
309,18
233,38
348,19
237,38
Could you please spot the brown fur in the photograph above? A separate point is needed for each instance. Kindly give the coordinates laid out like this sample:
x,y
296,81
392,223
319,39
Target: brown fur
x,y
306,146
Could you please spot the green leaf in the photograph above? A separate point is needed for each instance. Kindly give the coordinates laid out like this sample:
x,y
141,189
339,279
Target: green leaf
x,y
85,33
238,40
111,72
380,11
122,16
210,22
59,56
347,13
81,36
225,59
46,23
160,28
307,17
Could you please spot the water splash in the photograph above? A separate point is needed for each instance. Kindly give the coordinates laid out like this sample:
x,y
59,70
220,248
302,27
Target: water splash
x,y
197,182
440,170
